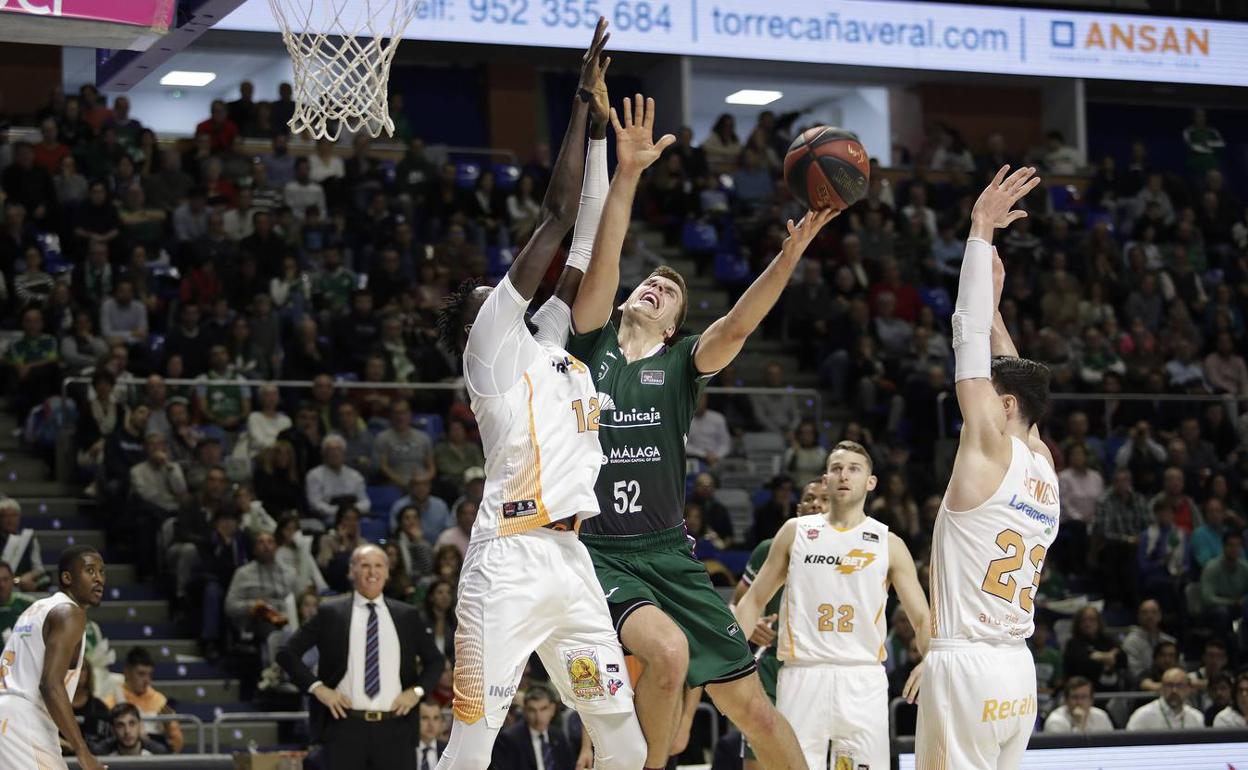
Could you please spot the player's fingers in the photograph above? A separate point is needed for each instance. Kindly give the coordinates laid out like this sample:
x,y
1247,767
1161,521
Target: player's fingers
x,y
1024,190
996,180
615,121
1018,177
665,141
649,117
628,112
604,66
639,107
1014,216
599,29
792,227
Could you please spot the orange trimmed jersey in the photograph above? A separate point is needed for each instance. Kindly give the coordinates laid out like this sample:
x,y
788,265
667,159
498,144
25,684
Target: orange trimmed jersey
x,y
537,409
21,662
986,562
835,592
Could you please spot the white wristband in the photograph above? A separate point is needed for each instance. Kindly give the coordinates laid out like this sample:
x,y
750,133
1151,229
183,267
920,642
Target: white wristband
x,y
973,312
593,198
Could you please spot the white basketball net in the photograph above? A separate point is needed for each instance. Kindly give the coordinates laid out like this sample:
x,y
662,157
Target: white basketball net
x,y
341,52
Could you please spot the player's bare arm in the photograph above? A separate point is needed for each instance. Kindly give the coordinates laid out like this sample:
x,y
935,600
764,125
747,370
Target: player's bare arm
x,y
763,634
770,578
635,151
560,203
62,633
904,578
983,439
723,340
1003,344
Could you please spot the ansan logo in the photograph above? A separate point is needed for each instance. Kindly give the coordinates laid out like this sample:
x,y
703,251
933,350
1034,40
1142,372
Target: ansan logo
x,y
1129,37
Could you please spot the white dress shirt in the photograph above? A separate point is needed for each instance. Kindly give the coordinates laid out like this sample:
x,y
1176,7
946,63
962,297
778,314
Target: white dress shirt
x,y
352,685
1060,721
535,737
1156,715
434,755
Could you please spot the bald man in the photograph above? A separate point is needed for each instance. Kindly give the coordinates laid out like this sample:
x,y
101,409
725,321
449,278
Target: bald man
x,y
1171,711
371,678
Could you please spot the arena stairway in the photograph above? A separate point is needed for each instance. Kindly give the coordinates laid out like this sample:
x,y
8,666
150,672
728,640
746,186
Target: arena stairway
x,y
133,614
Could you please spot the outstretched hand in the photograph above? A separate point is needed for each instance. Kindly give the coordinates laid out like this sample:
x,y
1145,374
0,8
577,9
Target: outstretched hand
x,y
635,147
995,207
594,63
802,233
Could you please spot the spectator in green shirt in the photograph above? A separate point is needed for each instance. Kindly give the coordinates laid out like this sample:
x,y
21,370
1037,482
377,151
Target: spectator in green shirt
x,y
1224,582
1206,541
35,361
12,603
1204,145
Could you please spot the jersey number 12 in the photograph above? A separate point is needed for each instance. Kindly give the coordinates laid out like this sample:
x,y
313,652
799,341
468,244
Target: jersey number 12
x,y
587,419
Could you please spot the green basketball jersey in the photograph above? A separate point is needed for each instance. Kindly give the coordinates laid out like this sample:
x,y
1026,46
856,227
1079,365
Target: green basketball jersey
x,y
646,408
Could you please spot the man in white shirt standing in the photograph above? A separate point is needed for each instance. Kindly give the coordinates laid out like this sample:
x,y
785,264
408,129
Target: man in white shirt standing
x,y
1171,711
1077,714
302,193
708,438
334,479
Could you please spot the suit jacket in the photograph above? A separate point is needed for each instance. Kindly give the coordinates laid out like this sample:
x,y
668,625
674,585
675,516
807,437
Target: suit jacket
x,y
420,663
441,750
514,749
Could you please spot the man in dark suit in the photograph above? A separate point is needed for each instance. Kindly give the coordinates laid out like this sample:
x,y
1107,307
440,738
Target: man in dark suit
x,y
377,660
429,749
534,744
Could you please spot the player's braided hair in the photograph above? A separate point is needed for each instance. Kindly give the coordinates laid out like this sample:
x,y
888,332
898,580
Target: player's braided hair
x,y
451,315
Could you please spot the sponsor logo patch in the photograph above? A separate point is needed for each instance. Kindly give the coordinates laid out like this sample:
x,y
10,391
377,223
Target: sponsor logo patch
x,y
812,534
613,668
848,564
653,376
582,666
498,691
734,629
870,537
614,685
519,508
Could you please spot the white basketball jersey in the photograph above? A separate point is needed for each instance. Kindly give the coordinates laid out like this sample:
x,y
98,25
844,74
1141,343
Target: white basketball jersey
x,y
542,454
21,663
986,562
834,596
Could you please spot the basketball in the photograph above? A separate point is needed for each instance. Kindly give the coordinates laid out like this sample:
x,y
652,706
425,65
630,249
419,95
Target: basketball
x,y
826,168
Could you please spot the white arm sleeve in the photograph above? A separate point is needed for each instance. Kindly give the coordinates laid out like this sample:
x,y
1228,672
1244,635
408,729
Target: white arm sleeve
x,y
554,322
500,347
593,198
972,314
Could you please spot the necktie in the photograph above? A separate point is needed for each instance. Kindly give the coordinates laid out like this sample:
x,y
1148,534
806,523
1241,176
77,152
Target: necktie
x,y
548,754
424,758
372,656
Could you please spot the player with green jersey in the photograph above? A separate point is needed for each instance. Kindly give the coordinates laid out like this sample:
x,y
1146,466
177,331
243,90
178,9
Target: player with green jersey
x,y
665,609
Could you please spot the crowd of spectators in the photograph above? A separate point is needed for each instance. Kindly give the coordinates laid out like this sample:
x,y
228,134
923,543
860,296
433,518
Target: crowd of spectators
x,y
174,280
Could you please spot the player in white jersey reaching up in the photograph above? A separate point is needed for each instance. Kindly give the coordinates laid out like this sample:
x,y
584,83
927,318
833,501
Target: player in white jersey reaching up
x,y
527,582
836,568
40,665
996,523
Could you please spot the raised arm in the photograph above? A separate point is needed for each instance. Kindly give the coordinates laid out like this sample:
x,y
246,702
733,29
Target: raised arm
x,y
773,574
723,340
559,205
554,318
1003,345
983,428
635,150
62,635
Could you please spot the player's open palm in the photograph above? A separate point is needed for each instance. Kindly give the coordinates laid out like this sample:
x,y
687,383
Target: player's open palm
x,y
594,62
995,206
802,233
635,147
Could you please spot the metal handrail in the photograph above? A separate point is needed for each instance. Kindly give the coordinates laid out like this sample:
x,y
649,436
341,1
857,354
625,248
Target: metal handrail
x,y
1106,398
130,380
189,718
1129,695
251,716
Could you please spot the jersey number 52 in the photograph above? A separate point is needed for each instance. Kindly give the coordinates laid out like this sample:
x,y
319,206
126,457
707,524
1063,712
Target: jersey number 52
x,y
1000,583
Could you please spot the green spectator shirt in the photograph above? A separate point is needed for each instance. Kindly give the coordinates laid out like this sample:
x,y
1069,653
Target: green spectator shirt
x,y
33,350
335,288
222,395
644,411
10,611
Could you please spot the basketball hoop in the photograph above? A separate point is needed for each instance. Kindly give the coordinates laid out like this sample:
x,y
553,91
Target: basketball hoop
x,y
341,52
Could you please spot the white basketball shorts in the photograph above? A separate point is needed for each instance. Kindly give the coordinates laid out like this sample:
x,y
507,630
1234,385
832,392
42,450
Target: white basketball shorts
x,y
977,706
839,713
28,738
535,591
